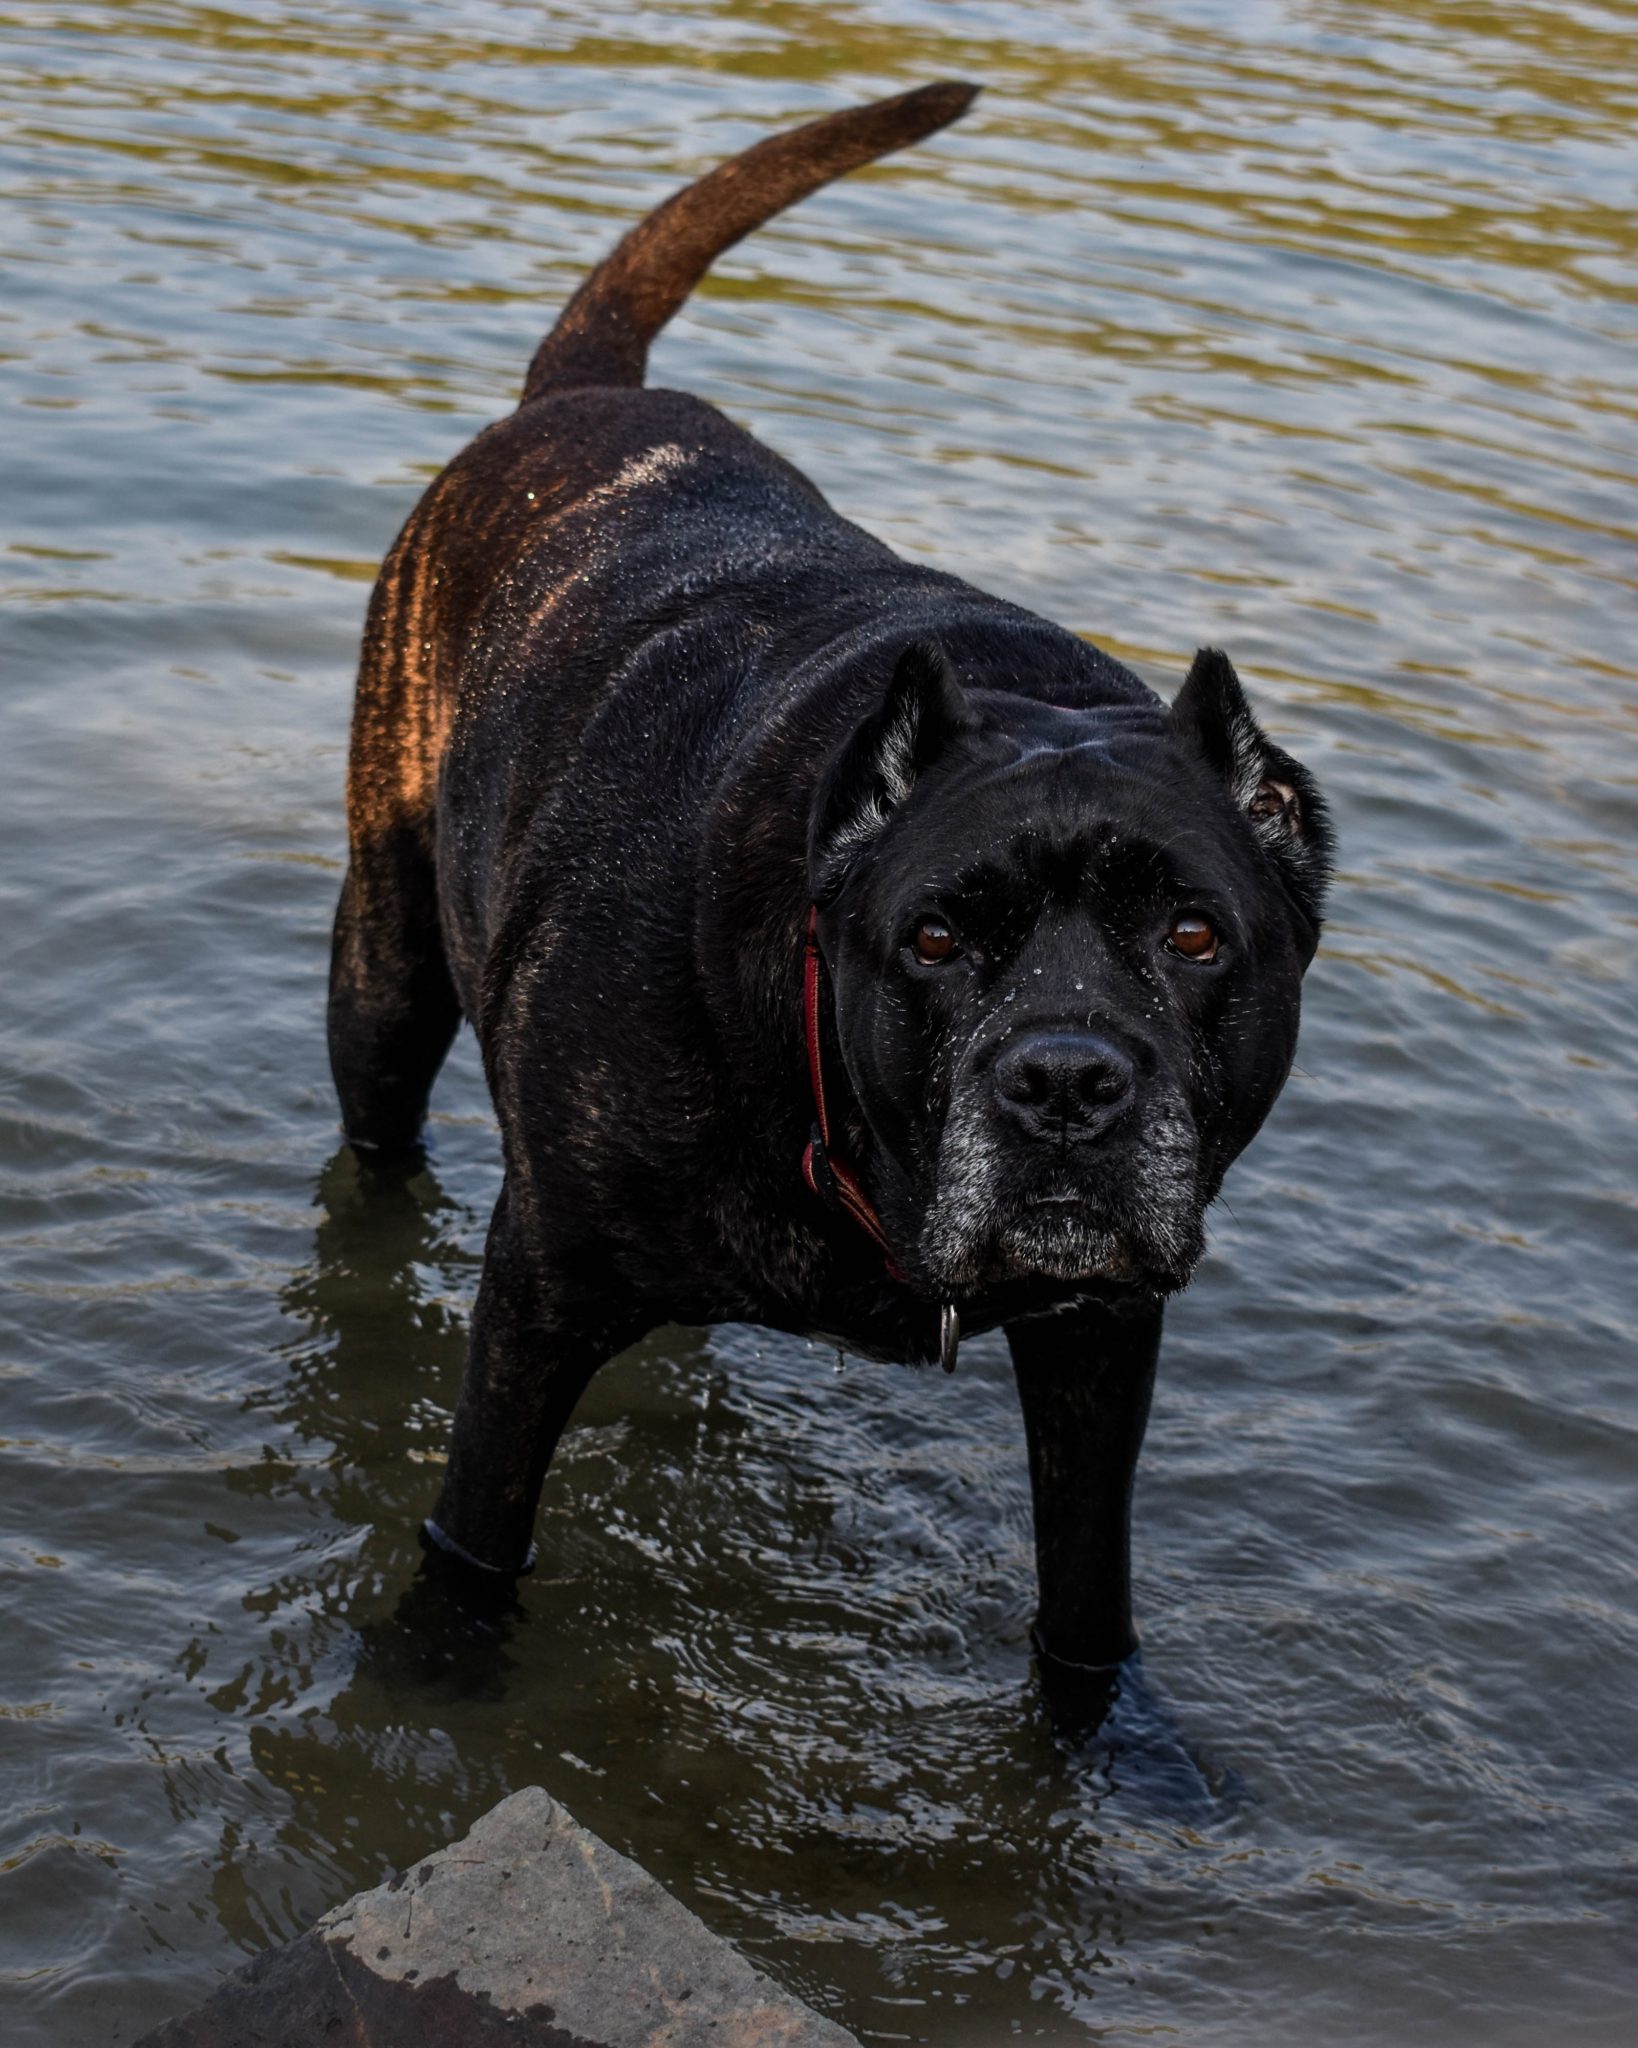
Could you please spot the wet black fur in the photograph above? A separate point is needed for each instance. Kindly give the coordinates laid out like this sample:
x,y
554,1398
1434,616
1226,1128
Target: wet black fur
x,y
681,710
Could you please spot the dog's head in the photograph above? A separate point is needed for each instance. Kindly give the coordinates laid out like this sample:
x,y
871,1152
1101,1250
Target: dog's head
x,y
1066,948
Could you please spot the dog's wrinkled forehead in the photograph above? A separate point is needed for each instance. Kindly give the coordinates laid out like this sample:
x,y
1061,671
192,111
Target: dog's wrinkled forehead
x,y
1034,731
1050,798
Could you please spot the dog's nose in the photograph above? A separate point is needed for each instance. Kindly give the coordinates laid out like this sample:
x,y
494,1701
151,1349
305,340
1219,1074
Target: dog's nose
x,y
1064,1079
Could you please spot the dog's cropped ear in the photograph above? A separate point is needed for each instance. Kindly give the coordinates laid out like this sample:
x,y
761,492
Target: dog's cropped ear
x,y
879,764
1279,797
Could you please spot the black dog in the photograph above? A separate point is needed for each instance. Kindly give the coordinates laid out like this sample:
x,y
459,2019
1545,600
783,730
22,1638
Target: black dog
x,y
851,952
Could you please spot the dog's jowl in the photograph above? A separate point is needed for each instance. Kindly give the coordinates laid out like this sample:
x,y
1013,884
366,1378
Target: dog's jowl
x,y
851,952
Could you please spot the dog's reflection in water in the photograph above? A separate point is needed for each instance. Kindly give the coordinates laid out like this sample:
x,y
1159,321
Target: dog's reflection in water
x,y
373,1380
382,1305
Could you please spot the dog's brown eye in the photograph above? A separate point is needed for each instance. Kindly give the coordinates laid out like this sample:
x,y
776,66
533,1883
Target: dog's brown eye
x,y
934,941
1194,938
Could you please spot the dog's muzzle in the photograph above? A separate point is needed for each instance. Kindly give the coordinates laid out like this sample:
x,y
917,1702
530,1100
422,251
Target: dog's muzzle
x,y
1059,1160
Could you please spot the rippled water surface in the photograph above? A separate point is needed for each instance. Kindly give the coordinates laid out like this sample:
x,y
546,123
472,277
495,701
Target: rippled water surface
x,y
1302,327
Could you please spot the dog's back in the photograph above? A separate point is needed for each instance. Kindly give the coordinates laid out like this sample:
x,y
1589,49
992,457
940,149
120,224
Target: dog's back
x,y
501,573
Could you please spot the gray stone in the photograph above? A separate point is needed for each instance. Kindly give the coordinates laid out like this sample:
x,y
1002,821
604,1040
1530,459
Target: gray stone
x,y
529,1931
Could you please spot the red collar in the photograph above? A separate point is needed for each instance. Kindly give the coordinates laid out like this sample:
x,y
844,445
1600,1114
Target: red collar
x,y
828,1177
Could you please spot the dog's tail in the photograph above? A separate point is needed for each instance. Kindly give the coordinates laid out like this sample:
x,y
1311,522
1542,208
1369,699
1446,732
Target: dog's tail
x,y
603,334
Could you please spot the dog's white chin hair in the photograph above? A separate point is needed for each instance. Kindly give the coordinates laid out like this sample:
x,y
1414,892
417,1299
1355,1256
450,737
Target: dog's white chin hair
x,y
1061,1245
1066,1249
975,1236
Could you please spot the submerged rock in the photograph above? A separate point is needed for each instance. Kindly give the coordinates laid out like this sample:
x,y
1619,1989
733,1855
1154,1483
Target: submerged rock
x,y
530,1931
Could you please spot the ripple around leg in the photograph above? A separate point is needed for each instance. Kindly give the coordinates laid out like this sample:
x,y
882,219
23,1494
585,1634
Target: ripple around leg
x,y
1113,1721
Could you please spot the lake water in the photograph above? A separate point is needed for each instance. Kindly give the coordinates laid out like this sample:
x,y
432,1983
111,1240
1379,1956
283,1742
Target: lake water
x,y
1302,327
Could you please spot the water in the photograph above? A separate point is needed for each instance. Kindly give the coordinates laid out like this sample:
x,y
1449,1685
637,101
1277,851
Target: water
x,y
1300,327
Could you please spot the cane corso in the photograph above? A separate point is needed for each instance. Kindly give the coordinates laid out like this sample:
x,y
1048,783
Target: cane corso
x,y
851,952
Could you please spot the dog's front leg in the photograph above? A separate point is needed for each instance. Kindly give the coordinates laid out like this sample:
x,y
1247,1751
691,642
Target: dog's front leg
x,y
1085,1378
530,1356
